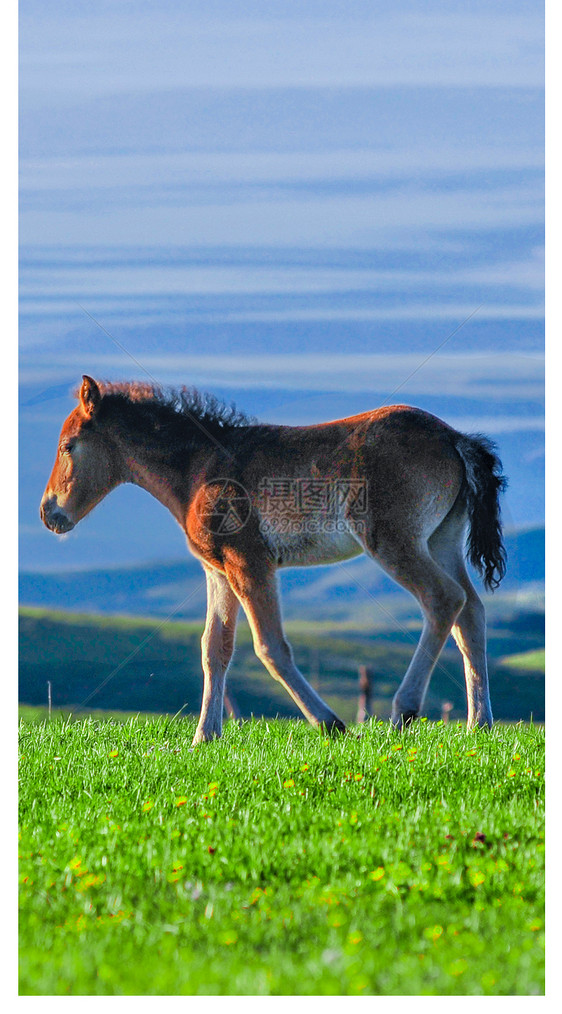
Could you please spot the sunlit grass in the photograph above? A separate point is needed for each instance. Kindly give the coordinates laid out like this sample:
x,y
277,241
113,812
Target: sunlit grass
x,y
280,861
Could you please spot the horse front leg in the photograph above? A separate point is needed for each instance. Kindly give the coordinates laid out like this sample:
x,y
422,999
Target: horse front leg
x,y
259,597
217,645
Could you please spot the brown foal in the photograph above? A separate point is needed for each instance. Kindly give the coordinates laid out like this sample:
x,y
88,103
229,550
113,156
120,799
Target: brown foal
x,y
396,483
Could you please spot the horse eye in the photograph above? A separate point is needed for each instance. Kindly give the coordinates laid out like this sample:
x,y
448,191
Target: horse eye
x,y
66,448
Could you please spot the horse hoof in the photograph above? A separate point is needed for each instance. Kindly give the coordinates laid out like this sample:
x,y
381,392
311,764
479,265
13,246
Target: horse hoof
x,y
406,718
204,737
335,726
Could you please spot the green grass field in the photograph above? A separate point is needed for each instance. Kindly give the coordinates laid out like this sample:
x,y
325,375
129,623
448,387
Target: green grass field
x,y
277,861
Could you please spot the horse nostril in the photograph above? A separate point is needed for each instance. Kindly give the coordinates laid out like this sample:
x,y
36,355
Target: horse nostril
x,y
53,517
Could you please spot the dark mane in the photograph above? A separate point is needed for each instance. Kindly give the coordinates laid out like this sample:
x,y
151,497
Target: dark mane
x,y
175,408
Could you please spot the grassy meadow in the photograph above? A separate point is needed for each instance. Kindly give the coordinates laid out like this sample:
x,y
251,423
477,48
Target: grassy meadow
x,y
277,861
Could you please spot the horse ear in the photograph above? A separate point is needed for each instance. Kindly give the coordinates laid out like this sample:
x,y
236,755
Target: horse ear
x,y
90,396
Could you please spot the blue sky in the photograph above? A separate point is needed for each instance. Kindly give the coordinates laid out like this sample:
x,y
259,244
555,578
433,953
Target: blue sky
x,y
291,205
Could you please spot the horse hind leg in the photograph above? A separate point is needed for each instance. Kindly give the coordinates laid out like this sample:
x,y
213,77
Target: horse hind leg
x,y
441,599
469,629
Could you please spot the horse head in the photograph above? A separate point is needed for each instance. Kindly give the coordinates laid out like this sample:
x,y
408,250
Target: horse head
x,y
85,467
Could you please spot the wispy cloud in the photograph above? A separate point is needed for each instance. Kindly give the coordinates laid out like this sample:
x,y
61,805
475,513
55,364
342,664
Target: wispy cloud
x,y
359,221
154,280
380,162
150,310
502,376
281,44
495,424
413,311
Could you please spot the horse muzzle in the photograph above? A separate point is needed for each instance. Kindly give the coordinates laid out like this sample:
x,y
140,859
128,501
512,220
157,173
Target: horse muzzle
x,y
54,518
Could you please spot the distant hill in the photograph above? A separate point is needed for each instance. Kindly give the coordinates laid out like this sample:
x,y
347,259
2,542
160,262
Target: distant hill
x,y
338,592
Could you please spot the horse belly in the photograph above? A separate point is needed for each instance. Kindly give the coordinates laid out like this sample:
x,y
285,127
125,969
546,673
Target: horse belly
x,y
305,549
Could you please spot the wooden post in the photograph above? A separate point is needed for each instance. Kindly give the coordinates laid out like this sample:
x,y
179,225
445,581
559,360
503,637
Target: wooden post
x,y
446,708
49,698
364,708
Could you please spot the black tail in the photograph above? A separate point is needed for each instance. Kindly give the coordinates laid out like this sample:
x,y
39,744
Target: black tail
x,y
483,485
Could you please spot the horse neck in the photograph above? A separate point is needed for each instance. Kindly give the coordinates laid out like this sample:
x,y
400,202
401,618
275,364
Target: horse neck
x,y
147,468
